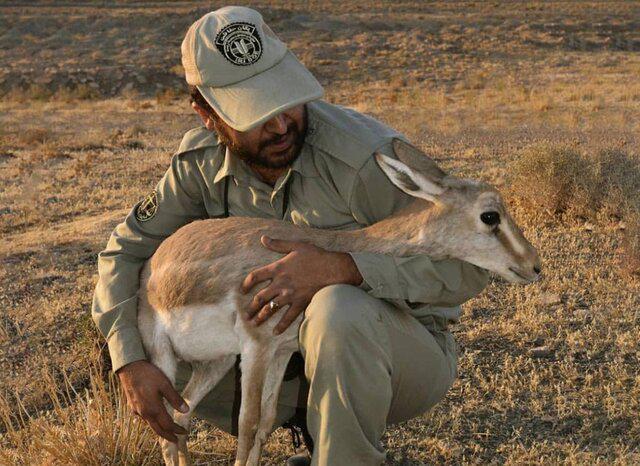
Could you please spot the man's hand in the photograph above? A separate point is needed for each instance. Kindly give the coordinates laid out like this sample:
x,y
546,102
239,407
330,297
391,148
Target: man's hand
x,y
295,278
145,386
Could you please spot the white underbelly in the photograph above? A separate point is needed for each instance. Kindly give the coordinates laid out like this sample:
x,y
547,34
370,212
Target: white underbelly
x,y
203,332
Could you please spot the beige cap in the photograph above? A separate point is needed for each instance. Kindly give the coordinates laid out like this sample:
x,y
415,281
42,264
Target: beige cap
x,y
242,69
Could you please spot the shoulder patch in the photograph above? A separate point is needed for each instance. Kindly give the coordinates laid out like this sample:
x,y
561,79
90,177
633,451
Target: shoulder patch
x,y
147,208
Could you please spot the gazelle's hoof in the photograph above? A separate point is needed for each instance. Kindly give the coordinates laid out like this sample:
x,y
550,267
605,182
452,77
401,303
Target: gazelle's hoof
x,y
301,459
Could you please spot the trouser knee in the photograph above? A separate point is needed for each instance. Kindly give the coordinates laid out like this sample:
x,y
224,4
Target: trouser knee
x,y
337,318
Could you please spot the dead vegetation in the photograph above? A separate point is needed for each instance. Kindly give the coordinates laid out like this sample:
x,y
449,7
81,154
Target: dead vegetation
x,y
539,99
591,187
565,182
89,427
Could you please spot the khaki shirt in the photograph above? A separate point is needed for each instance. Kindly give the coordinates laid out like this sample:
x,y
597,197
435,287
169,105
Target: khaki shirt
x,y
334,183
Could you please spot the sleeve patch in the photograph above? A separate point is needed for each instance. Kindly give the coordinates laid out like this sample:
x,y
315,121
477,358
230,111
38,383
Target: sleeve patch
x,y
147,208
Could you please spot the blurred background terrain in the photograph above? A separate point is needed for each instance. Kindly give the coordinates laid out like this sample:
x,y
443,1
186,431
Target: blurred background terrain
x,y
542,99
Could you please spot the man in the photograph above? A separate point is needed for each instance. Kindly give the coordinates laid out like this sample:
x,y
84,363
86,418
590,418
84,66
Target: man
x,y
374,338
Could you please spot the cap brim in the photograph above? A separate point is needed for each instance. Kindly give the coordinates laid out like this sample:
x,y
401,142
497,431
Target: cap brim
x,y
248,103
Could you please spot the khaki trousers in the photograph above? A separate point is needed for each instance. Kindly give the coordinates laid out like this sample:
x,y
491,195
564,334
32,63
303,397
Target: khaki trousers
x,y
367,363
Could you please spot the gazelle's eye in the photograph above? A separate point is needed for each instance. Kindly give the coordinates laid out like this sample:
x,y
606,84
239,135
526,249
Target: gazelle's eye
x,y
491,218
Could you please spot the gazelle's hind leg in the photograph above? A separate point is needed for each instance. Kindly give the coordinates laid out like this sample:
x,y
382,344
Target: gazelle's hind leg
x,y
255,358
270,393
162,356
204,377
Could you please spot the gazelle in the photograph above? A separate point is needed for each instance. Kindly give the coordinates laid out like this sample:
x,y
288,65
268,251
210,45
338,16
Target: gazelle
x,y
190,307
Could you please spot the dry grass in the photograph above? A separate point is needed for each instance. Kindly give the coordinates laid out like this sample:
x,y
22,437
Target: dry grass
x,y
539,99
90,427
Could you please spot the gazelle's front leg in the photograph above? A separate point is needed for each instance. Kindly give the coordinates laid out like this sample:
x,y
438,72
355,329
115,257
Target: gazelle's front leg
x,y
270,394
256,357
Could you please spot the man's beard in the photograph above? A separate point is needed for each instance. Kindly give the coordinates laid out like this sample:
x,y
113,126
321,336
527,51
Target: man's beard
x,y
260,158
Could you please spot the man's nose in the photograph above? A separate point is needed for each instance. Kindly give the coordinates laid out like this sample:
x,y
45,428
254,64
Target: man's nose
x,y
277,124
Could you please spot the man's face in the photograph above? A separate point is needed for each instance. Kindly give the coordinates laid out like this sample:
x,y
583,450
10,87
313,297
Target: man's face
x,y
274,144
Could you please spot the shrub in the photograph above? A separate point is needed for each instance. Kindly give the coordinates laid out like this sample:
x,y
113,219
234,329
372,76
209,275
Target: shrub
x,y
550,178
630,249
32,136
567,185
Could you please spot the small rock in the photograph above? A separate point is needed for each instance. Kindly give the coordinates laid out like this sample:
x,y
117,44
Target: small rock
x,y
549,299
541,352
94,85
141,79
128,87
582,313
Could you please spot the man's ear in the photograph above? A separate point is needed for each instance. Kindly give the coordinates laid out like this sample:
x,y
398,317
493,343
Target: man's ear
x,y
408,180
204,116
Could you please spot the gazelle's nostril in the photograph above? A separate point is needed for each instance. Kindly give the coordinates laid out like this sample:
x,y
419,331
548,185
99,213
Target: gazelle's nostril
x,y
536,269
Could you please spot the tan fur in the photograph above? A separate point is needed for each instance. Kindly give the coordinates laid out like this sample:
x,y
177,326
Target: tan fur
x,y
205,261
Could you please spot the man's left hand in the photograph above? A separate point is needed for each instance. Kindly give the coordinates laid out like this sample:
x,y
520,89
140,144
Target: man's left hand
x,y
295,278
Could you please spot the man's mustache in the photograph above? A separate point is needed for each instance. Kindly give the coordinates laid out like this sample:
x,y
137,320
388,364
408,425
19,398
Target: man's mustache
x,y
292,128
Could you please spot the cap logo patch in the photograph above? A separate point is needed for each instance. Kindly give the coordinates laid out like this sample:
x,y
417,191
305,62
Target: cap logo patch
x,y
147,208
240,43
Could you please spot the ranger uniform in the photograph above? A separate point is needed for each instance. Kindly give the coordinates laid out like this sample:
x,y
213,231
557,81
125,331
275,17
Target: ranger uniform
x,y
376,354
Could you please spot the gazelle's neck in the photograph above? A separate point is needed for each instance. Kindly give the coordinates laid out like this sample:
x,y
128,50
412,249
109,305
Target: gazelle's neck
x,y
401,234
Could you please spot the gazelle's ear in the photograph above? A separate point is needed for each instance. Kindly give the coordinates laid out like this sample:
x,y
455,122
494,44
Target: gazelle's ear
x,y
411,182
417,160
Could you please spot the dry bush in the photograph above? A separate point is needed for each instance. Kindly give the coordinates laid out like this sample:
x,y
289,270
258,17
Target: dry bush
x,y
33,136
37,92
567,184
168,95
74,93
548,178
48,152
630,248
126,139
90,428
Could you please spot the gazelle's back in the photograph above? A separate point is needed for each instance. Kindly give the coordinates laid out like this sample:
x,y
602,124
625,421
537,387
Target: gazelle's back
x,y
205,259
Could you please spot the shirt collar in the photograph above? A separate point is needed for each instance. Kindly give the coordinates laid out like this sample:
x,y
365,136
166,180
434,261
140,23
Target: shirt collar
x,y
232,166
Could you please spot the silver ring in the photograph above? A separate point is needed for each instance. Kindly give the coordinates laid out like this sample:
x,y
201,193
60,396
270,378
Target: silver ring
x,y
273,306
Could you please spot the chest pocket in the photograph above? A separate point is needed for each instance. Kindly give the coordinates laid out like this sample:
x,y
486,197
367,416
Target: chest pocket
x,y
314,204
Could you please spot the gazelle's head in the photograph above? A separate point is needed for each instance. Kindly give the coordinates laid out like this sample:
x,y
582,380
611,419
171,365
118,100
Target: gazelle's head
x,y
468,219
